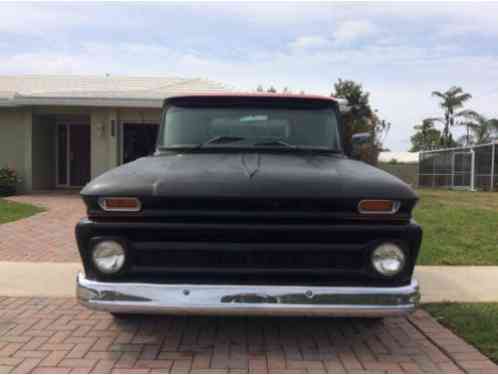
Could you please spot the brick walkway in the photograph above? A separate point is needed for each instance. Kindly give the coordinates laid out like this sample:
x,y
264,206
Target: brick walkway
x,y
57,335
45,237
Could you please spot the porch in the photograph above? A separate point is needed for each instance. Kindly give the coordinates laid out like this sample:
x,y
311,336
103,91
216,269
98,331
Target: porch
x,y
69,147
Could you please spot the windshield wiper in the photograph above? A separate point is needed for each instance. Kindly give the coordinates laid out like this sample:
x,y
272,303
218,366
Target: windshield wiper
x,y
280,142
275,142
220,139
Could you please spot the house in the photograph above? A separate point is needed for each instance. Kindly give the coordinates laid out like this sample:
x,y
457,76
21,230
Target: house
x,y
62,131
398,157
400,164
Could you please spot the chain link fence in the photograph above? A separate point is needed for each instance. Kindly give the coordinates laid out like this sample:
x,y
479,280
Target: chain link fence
x,y
472,168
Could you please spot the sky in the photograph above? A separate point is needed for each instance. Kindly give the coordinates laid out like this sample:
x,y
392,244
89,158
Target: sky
x,y
399,52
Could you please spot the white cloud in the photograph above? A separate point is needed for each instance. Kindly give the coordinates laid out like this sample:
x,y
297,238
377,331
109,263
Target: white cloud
x,y
312,41
400,79
42,63
300,46
350,31
274,13
34,19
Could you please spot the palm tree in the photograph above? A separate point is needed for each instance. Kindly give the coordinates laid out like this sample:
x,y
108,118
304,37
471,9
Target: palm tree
x,y
470,122
480,129
451,100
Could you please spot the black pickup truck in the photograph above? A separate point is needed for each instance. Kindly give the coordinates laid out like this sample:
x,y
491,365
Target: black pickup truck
x,y
249,206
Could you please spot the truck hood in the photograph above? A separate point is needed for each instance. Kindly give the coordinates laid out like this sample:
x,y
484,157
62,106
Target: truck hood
x,y
249,175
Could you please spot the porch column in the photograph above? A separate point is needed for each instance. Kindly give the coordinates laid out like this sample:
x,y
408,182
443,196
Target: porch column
x,y
100,145
113,138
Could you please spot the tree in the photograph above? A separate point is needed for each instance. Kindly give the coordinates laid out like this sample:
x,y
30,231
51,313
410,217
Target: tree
x,y
468,118
480,129
272,90
379,130
451,142
361,119
426,136
428,141
357,119
451,100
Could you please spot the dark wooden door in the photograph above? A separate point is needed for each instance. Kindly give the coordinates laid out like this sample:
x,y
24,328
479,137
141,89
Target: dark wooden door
x,y
79,154
138,140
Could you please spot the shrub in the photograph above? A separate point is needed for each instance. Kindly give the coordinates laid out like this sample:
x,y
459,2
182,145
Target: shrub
x,y
8,177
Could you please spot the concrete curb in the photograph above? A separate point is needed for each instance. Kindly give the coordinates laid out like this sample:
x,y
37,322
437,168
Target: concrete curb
x,y
23,279
458,283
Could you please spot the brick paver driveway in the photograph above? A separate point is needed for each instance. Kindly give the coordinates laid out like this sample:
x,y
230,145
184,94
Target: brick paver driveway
x,y
57,335
45,237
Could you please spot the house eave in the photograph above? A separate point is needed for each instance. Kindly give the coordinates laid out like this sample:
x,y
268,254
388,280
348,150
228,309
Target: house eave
x,y
23,101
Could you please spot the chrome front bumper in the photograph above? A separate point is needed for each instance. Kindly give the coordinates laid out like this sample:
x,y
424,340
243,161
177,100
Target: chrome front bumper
x,y
247,299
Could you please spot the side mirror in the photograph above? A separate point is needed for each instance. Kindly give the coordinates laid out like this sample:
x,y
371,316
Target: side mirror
x,y
357,141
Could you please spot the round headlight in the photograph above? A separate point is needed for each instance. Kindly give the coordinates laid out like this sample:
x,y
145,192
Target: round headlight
x,y
388,259
108,256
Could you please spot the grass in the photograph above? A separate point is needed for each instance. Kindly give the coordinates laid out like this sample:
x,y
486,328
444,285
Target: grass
x,y
460,227
12,211
476,323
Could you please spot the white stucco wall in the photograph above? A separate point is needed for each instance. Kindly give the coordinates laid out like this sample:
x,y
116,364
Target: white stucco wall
x,y
100,144
15,143
105,139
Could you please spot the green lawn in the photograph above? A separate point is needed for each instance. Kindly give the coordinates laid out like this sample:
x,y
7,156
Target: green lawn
x,y
460,227
11,211
476,323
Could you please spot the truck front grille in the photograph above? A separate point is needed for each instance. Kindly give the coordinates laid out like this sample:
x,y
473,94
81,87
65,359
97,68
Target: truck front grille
x,y
212,205
250,253
283,253
246,261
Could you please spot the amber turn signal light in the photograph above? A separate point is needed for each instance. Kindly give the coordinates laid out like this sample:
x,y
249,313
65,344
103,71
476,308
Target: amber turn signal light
x,y
378,206
120,204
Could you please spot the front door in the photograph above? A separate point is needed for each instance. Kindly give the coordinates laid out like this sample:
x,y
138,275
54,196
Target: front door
x,y
73,155
139,140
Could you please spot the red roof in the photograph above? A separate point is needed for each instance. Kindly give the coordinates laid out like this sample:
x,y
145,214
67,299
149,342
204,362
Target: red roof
x,y
255,95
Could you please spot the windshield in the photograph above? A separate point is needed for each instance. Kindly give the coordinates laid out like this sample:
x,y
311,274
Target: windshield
x,y
249,127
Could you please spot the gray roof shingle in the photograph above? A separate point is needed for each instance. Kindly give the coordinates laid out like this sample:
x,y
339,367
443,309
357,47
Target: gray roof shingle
x,y
41,89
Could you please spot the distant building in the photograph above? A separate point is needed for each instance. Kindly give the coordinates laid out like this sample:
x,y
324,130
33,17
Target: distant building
x,y
400,164
399,157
